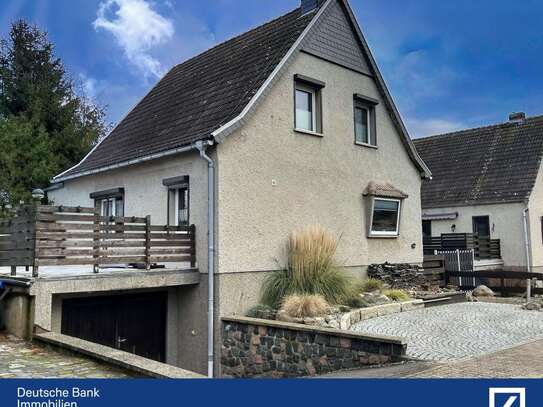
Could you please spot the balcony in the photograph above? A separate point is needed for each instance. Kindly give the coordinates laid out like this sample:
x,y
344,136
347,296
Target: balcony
x,y
58,240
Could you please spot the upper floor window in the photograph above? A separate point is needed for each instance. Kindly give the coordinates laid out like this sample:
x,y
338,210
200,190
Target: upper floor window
x,y
308,104
178,200
365,128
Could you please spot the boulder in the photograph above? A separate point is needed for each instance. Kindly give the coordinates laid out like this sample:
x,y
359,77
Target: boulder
x,y
532,306
375,298
483,291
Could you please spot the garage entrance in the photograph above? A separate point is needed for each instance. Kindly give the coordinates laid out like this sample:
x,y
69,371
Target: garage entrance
x,y
134,323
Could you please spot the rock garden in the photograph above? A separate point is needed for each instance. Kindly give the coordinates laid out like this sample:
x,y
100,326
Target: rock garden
x,y
313,290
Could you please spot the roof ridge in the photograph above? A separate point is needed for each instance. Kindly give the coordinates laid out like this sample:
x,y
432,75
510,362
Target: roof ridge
x,y
474,129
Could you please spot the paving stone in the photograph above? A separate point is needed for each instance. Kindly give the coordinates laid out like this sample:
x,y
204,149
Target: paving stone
x,y
21,359
458,331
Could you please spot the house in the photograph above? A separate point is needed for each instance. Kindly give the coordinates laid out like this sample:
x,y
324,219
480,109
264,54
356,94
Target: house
x,y
285,126
488,181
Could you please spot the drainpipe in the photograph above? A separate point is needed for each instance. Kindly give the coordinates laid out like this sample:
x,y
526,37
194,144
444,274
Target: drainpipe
x,y
528,258
202,146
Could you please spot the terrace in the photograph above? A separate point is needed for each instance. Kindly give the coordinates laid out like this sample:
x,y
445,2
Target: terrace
x,y
57,241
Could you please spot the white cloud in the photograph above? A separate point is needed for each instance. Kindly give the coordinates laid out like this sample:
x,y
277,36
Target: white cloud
x,y
137,29
430,127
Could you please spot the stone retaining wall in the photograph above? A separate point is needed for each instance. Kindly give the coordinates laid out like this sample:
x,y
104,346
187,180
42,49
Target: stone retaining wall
x,y
264,348
362,314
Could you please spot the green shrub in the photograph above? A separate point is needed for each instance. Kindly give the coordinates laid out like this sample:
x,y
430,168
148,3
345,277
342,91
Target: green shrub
x,y
372,284
258,310
356,302
310,269
304,305
397,295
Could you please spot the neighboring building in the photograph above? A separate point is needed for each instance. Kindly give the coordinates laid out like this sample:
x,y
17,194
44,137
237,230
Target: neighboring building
x,y
485,181
301,130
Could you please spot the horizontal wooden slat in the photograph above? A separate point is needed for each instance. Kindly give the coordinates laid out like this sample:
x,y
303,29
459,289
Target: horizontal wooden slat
x,y
88,218
88,235
170,228
89,243
63,209
183,243
41,253
48,227
159,251
89,261
170,259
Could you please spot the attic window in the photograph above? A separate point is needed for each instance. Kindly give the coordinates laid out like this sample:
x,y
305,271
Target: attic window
x,y
365,128
307,100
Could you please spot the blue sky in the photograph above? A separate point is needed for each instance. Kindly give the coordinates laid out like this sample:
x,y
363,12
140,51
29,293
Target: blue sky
x,y
449,64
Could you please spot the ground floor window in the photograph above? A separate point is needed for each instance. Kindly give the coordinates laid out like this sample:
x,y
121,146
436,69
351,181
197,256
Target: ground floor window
x,y
110,202
385,219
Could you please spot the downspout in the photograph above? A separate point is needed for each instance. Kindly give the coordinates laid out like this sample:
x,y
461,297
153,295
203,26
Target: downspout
x,y
202,146
528,257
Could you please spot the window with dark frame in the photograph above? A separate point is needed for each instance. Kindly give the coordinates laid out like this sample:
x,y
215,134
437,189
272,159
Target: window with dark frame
x,y
307,104
362,124
365,128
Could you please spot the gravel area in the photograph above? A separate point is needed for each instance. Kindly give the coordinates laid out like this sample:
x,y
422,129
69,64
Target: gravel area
x,y
459,331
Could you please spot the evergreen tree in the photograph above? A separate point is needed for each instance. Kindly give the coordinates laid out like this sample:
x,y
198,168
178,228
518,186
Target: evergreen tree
x,y
45,124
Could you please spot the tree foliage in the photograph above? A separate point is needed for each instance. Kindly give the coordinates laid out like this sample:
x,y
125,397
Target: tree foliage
x,y
46,124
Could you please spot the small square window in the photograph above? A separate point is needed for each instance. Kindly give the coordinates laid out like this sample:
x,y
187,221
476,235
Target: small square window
x,y
385,217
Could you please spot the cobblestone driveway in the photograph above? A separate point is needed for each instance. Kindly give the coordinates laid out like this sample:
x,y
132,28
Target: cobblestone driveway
x,y
458,331
20,359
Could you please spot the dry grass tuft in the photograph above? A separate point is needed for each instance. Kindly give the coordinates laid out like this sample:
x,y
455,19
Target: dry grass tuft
x,y
305,306
310,269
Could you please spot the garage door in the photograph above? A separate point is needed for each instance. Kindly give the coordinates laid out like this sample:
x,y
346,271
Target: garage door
x,y
132,323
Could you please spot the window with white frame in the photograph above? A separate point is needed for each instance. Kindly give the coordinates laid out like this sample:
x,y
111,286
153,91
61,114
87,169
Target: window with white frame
x,y
110,202
385,217
178,200
307,101
365,128
178,206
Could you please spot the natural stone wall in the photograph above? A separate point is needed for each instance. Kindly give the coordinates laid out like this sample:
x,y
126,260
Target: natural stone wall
x,y
263,348
399,276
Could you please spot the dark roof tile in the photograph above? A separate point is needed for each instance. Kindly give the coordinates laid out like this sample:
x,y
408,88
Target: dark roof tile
x,y
198,96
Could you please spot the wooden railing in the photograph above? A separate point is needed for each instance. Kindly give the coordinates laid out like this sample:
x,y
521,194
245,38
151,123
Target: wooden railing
x,y
484,248
69,236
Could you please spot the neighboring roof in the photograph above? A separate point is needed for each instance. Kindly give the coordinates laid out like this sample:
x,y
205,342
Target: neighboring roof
x,y
208,96
486,165
384,191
